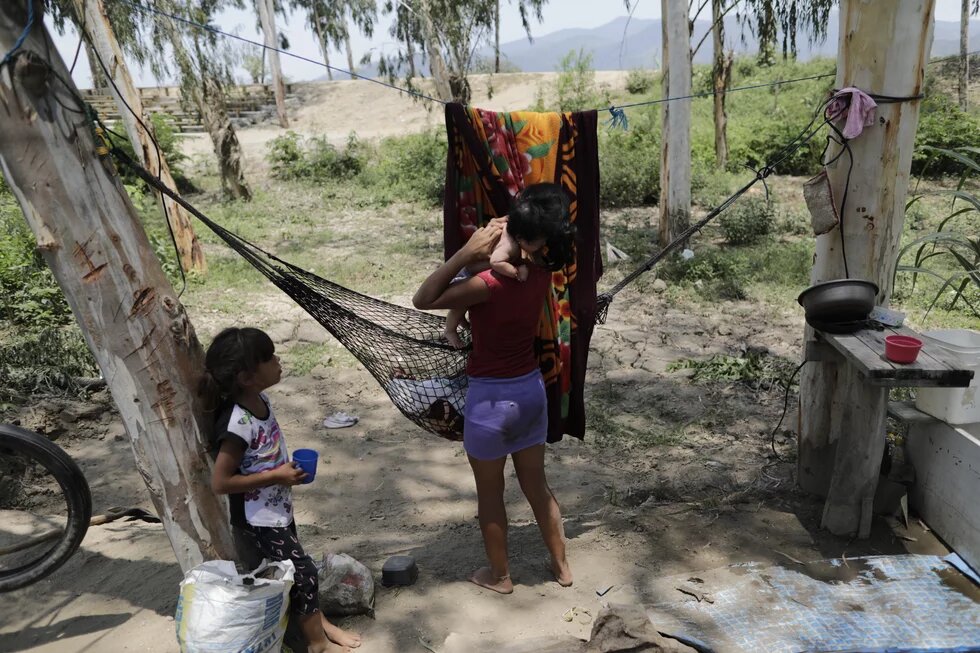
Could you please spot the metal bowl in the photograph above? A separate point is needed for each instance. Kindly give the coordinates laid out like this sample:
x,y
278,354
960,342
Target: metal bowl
x,y
841,300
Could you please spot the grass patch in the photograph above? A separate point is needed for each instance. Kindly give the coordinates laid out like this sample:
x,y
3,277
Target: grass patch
x,y
758,370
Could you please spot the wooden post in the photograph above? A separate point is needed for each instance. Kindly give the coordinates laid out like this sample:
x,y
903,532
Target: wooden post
x,y
267,18
92,239
675,146
841,417
101,38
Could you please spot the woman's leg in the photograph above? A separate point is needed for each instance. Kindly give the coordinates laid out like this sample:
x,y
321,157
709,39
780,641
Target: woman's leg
x,y
489,476
529,464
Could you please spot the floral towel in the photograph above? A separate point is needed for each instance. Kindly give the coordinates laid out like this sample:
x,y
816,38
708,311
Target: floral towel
x,y
492,157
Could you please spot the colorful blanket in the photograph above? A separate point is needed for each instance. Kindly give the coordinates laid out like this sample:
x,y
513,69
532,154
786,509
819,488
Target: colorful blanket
x,y
492,157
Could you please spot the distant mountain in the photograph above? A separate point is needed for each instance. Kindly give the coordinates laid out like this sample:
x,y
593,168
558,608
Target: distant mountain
x,y
623,44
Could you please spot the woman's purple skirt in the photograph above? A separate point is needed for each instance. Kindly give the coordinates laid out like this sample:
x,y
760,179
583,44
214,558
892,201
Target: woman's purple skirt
x,y
502,416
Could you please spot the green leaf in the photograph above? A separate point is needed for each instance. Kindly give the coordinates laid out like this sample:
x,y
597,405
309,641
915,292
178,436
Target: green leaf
x,y
540,150
519,126
501,163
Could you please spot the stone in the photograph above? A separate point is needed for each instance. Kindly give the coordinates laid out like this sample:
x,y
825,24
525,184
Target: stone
x,y
310,331
659,286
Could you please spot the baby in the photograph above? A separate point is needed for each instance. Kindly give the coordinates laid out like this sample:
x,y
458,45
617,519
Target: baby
x,y
507,260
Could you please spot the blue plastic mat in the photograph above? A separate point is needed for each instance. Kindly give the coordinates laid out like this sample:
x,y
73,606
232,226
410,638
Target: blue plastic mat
x,y
898,603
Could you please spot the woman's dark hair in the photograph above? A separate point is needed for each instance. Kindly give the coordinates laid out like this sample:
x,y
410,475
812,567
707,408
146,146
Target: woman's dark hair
x,y
232,351
542,211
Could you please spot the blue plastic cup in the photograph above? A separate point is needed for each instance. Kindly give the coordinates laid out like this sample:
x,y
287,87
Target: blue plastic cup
x,y
306,459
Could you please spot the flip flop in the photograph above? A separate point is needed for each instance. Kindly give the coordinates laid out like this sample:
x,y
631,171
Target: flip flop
x,y
340,420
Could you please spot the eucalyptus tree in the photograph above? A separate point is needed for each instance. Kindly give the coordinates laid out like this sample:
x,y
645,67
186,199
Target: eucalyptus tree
x,y
106,29
966,10
527,8
331,22
773,20
447,34
266,10
203,72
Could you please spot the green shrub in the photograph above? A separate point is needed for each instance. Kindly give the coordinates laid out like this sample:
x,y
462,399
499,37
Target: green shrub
x,y
747,221
315,158
29,294
410,168
639,81
943,124
45,360
575,87
629,164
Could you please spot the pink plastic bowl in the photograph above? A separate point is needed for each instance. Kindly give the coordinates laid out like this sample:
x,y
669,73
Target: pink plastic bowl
x,y
902,349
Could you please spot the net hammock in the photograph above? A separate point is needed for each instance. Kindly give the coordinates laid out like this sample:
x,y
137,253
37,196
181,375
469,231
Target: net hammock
x,y
402,348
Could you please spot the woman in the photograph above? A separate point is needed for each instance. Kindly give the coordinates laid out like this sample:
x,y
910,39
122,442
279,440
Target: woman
x,y
506,408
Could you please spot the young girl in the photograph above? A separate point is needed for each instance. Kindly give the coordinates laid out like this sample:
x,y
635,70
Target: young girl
x,y
506,407
253,468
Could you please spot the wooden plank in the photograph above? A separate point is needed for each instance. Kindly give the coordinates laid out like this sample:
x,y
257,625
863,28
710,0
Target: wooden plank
x,y
865,350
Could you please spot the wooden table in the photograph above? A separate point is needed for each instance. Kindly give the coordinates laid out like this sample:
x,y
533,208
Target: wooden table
x,y
867,375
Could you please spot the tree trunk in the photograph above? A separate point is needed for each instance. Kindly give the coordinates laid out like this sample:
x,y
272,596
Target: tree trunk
x,y
496,37
437,65
410,48
964,52
99,83
324,47
90,236
675,148
719,76
885,56
140,130
267,18
208,96
350,53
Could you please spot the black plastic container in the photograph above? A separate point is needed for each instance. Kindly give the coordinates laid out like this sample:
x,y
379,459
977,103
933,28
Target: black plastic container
x,y
399,570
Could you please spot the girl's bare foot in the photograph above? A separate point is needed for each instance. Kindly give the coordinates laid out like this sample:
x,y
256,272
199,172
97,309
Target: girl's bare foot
x,y
562,572
343,638
484,577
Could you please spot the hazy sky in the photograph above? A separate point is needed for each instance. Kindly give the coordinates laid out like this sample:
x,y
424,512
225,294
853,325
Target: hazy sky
x,y
558,14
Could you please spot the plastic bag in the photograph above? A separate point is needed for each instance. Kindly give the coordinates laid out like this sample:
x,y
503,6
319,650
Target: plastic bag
x,y
222,610
346,586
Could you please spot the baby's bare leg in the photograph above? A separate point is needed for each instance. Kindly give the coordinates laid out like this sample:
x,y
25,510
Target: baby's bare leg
x,y
453,319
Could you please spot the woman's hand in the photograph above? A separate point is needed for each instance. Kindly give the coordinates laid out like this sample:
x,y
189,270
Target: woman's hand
x,y
482,242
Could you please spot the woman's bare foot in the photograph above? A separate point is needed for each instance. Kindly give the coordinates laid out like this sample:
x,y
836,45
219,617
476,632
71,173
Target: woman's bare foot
x,y
343,638
484,577
562,572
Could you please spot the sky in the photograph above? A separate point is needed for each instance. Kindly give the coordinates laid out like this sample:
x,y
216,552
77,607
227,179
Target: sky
x,y
557,14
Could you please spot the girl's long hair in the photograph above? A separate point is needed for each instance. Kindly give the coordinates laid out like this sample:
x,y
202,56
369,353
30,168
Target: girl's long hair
x,y
233,351
542,211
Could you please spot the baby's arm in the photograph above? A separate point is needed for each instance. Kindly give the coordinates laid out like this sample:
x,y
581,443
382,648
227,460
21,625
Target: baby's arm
x,y
507,250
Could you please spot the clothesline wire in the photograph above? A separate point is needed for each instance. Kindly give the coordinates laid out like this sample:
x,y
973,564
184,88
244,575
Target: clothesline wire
x,y
614,108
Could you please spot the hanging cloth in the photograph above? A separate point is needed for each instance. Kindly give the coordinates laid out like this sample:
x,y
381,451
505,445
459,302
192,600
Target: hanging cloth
x,y
856,107
492,157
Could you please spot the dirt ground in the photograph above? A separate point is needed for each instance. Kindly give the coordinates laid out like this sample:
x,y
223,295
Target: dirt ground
x,y
691,485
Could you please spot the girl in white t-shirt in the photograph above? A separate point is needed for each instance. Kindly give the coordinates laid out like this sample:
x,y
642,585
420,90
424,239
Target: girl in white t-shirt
x,y
253,468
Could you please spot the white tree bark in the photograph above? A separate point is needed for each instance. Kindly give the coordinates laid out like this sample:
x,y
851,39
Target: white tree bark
x,y
884,46
101,37
675,146
267,17
437,65
964,53
91,237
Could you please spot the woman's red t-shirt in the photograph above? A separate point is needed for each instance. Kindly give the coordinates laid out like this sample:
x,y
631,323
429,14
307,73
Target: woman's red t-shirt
x,y
504,326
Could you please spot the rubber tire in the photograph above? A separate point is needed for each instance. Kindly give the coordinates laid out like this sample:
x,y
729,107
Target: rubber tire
x,y
74,489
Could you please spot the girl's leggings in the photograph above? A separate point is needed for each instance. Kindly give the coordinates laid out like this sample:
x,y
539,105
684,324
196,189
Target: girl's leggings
x,y
282,544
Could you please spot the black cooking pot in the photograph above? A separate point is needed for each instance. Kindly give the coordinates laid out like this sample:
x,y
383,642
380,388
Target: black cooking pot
x,y
841,300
